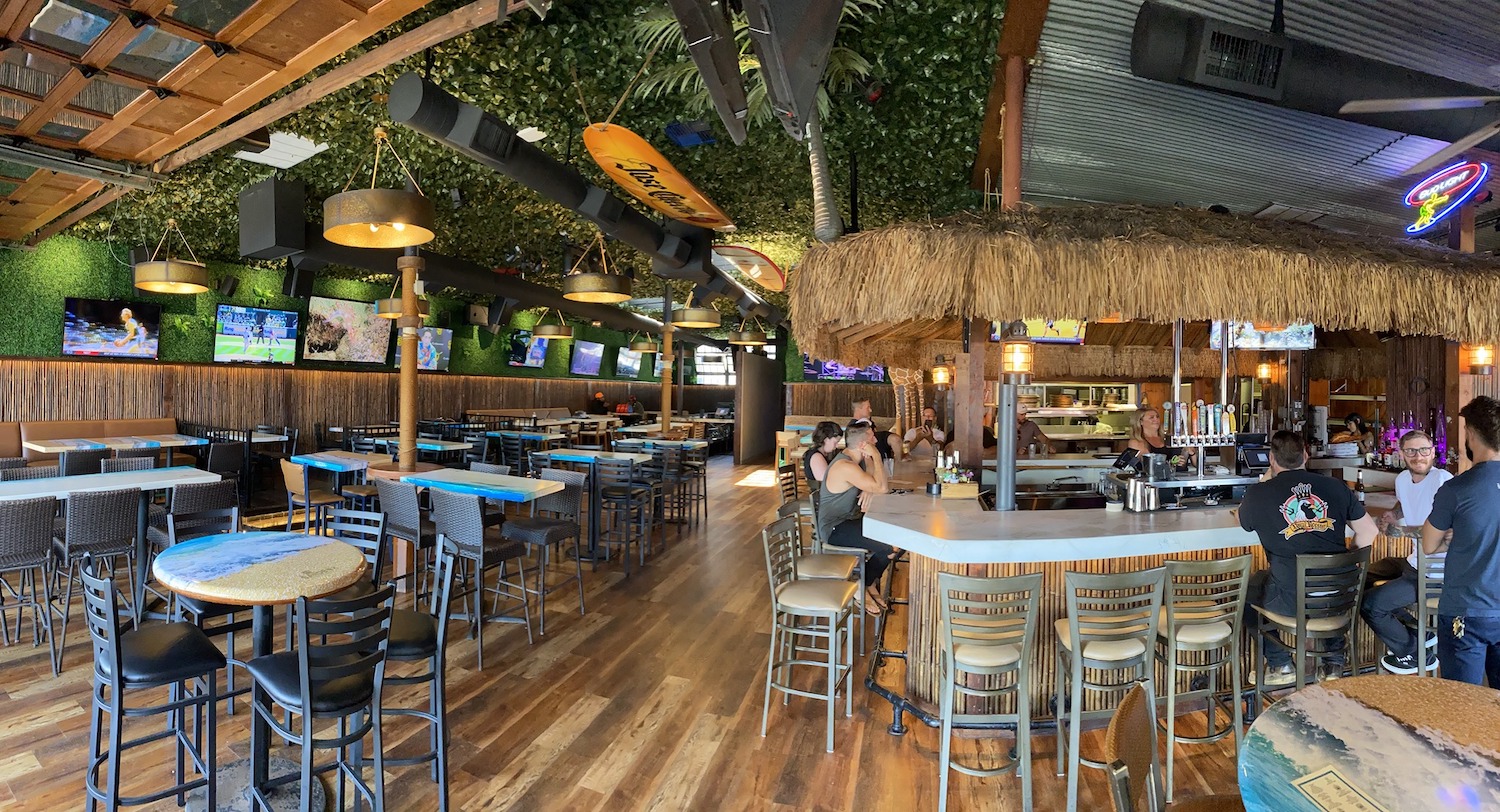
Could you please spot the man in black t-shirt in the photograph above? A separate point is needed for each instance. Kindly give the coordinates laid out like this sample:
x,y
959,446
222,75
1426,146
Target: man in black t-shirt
x,y
1296,513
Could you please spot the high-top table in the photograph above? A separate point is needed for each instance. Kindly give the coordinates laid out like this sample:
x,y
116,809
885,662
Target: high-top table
x,y
151,479
1382,742
653,428
128,443
500,487
262,571
337,462
591,459
424,444
525,434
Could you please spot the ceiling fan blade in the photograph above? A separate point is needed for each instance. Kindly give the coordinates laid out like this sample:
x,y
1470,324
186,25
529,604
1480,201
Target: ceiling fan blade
x,y
1457,148
1408,105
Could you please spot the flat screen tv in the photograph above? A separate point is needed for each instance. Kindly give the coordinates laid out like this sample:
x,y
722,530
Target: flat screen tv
x,y
434,347
341,330
1047,331
815,370
111,328
255,335
587,358
660,362
527,350
1243,335
627,363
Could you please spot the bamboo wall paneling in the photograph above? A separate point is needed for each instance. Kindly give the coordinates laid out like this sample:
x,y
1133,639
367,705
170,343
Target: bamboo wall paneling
x,y
80,390
1415,377
837,398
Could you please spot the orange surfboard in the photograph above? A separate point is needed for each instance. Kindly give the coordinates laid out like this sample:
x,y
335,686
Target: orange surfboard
x,y
645,173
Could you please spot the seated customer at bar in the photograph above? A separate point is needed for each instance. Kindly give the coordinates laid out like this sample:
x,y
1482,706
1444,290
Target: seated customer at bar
x,y
1296,513
1385,607
927,439
853,477
825,448
1468,626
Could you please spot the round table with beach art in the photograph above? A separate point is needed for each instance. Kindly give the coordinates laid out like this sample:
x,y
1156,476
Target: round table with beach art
x,y
259,569
1379,744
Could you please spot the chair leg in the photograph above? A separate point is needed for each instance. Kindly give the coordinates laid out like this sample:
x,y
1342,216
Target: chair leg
x,y
1075,722
116,731
833,670
1170,663
96,721
1023,743
945,714
1060,712
765,711
578,567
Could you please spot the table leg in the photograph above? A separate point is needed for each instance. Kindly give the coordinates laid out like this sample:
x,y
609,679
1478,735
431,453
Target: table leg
x,y
594,514
169,456
142,552
260,733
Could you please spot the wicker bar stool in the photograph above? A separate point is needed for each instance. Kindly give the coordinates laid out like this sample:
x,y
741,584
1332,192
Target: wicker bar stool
x,y
555,518
1110,628
26,550
988,631
152,454
1198,632
460,519
801,608
29,472
404,520
101,524
1135,767
7,463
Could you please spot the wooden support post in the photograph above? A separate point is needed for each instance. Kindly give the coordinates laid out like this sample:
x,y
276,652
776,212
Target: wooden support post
x,y
668,361
1010,157
968,395
410,320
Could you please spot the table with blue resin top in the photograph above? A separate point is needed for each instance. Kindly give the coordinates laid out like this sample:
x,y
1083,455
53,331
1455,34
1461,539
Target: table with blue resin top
x,y
676,443
340,461
263,571
1386,742
538,436
134,442
426,444
500,487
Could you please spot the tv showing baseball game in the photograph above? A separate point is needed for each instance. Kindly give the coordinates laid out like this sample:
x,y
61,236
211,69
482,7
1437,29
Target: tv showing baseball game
x,y
434,348
527,350
111,328
341,330
628,363
588,356
255,335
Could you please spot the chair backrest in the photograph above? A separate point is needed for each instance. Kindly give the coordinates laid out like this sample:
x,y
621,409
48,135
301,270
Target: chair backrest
x,y
26,531
460,517
807,522
513,453
587,447
291,474
206,522
489,468
226,458
9,463
364,529
566,503
363,443
1429,578
144,453
343,638
101,614
192,497
401,506
103,519
440,600
1202,592
614,472
29,472
989,613
1111,606
1330,585
786,477
781,539
668,459
111,466
479,446
632,446
697,430
537,461
75,463
1130,753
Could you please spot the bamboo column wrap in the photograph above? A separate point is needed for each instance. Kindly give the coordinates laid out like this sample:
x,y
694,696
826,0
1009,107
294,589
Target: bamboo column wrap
x,y
924,645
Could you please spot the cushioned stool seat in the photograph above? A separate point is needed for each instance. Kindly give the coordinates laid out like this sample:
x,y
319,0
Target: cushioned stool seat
x,y
162,653
277,674
1122,649
1317,624
985,656
827,565
414,635
536,530
815,596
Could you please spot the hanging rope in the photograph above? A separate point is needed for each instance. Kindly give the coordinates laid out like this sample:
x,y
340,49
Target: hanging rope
x,y
631,85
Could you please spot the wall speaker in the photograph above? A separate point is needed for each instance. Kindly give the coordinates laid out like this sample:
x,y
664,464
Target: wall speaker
x,y
272,224
228,285
501,309
298,282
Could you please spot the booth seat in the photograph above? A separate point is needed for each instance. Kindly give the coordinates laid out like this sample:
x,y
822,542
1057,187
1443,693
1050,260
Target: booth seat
x,y
69,429
10,440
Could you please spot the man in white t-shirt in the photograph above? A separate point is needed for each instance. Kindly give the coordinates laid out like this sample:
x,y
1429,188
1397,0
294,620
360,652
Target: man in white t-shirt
x,y
1386,607
928,433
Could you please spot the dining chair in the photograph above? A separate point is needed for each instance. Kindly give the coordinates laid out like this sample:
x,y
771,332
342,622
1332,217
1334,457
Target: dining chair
x,y
460,518
115,464
1130,751
85,461
29,472
313,501
26,550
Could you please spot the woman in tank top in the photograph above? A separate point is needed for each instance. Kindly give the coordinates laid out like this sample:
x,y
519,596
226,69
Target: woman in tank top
x,y
852,478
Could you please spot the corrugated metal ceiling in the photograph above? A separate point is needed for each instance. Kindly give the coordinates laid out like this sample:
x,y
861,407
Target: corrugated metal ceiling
x,y
1096,132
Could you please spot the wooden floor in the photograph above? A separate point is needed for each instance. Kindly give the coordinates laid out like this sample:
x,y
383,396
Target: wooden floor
x,y
652,700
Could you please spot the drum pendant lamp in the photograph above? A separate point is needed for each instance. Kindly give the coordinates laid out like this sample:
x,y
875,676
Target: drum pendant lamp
x,y
747,337
595,286
639,344
559,330
379,218
169,274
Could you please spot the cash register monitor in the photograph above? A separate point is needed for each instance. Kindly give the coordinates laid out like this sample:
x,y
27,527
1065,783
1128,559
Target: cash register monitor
x,y
1256,459
1126,459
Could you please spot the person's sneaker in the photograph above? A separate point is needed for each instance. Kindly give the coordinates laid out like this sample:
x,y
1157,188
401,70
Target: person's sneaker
x,y
1277,676
1328,672
1399,665
1431,639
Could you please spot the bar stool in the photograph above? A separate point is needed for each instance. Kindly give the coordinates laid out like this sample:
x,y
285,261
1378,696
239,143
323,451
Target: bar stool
x,y
815,562
626,506
313,501
560,520
100,524
988,629
1201,617
494,509
800,608
1328,590
786,479
1135,767
695,481
161,654
1110,627
404,520
26,549
1429,592
513,453
460,519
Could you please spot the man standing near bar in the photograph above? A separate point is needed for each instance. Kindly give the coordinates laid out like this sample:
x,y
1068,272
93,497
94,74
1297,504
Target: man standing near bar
x,y
1385,605
1468,622
1029,436
1296,513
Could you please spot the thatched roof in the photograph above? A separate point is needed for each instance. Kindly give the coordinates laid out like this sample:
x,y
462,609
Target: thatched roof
x,y
877,296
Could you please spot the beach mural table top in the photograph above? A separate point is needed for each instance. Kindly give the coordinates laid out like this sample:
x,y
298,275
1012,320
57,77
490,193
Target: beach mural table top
x,y
1380,743
543,436
257,569
502,487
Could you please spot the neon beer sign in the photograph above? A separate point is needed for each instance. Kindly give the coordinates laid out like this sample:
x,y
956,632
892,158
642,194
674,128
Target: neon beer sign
x,y
1442,192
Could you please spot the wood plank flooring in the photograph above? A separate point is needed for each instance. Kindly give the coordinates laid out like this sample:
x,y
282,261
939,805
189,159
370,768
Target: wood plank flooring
x,y
650,701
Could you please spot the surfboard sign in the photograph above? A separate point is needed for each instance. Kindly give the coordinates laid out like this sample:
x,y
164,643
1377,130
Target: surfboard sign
x,y
753,265
645,173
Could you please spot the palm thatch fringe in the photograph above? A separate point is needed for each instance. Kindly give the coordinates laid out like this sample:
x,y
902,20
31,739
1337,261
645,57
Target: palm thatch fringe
x,y
1054,362
1146,263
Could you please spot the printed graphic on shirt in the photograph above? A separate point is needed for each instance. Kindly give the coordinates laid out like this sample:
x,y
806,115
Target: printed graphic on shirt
x,y
1305,512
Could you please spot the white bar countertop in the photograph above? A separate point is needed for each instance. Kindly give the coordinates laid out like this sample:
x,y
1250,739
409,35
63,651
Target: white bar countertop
x,y
959,531
61,486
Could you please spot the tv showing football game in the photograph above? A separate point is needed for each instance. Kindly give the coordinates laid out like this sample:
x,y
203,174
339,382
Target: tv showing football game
x,y
111,328
434,346
587,358
628,363
341,330
815,370
527,350
255,335
1245,335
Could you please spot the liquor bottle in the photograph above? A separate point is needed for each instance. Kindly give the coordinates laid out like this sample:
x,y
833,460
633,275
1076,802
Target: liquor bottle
x,y
1359,486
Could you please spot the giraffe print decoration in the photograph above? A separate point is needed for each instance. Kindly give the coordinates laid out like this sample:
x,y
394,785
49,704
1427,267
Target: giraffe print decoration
x,y
908,390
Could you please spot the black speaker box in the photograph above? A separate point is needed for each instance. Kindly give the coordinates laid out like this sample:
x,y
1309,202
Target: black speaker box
x,y
501,309
298,282
271,219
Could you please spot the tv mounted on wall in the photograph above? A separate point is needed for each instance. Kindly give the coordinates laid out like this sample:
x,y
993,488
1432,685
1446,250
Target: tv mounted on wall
x,y
588,356
342,330
255,335
112,328
434,348
527,350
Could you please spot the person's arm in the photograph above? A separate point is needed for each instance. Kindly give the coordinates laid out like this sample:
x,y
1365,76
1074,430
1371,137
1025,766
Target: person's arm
x,y
1364,531
1437,532
818,464
1433,539
1392,518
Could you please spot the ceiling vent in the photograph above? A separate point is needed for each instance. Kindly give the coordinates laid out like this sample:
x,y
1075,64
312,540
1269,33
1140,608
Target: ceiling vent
x,y
1237,59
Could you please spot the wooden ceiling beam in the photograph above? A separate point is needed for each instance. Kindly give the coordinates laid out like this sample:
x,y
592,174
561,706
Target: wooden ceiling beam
x,y
98,202
86,188
412,42
1020,34
192,34
15,18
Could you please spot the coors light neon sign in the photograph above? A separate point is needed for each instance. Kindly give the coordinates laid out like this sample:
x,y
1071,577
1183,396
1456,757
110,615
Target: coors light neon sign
x,y
1442,192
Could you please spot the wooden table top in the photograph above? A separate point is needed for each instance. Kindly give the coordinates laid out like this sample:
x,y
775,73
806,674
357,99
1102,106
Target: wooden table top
x,y
259,569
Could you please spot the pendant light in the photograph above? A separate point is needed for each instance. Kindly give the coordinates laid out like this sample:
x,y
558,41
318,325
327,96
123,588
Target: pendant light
x,y
746,337
639,344
379,218
169,275
391,308
559,330
595,286
695,315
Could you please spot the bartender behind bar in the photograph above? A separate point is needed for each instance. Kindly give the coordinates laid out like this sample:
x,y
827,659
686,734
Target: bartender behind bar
x,y
1029,436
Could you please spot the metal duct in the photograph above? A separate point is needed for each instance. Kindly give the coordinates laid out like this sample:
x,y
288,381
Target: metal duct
x,y
792,39
1180,47
710,41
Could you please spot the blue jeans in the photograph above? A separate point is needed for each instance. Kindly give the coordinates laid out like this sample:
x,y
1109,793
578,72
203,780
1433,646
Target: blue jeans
x,y
1474,656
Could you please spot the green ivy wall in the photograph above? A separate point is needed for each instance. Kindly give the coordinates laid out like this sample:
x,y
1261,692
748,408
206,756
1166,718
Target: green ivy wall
x,y
33,285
